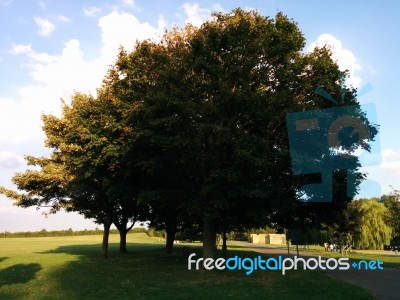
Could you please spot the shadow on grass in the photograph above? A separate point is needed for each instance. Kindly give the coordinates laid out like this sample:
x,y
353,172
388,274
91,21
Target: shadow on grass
x,y
3,258
147,272
237,246
19,273
138,249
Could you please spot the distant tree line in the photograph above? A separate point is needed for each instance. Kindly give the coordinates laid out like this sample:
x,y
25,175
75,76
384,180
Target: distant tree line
x,y
68,232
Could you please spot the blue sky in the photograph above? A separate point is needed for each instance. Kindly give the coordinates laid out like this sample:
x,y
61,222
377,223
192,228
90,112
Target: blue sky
x,y
49,48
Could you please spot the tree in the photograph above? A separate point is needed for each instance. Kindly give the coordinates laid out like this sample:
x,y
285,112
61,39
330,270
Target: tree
x,y
51,187
374,232
86,171
392,203
246,73
209,108
92,144
148,82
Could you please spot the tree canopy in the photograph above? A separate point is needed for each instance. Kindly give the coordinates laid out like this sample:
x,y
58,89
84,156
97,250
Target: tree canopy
x,y
392,203
373,232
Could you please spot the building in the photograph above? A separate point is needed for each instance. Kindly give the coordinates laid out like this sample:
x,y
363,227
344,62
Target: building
x,y
271,238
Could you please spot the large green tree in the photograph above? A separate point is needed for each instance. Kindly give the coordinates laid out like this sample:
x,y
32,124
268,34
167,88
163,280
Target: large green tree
x,y
86,172
374,232
92,143
245,73
148,81
209,107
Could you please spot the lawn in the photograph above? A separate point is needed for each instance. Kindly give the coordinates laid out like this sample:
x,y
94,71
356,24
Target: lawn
x,y
388,259
70,268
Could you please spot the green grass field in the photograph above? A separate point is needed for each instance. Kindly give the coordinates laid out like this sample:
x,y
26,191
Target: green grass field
x,y
70,268
388,258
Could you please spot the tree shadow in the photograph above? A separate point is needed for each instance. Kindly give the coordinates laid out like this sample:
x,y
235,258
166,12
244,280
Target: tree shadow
x,y
236,246
147,272
93,250
19,273
3,258
121,276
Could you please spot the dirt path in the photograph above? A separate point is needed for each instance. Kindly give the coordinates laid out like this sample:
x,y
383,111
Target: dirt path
x,y
385,284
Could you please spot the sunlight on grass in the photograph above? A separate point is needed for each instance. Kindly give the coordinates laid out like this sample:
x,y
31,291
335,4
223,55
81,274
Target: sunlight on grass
x,y
70,268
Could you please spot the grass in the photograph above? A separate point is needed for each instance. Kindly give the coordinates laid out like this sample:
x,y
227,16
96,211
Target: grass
x,y
70,268
388,260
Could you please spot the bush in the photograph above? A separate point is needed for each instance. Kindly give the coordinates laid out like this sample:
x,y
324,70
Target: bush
x,y
151,232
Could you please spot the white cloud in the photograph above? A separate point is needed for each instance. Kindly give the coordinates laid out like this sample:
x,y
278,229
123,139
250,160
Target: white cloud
x,y
218,8
128,3
382,176
391,162
65,72
9,159
162,24
344,57
123,29
249,8
91,11
57,76
54,77
19,122
21,48
46,28
41,58
196,15
63,19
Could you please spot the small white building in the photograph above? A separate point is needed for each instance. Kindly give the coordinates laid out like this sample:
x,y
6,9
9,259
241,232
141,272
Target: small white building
x,y
271,238
276,239
258,238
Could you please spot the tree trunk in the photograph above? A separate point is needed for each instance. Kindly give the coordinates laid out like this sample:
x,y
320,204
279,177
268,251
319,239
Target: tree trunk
x,y
171,231
106,233
224,247
123,229
209,238
122,240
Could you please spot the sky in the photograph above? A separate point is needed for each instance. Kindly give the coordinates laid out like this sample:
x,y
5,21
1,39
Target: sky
x,y
51,48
